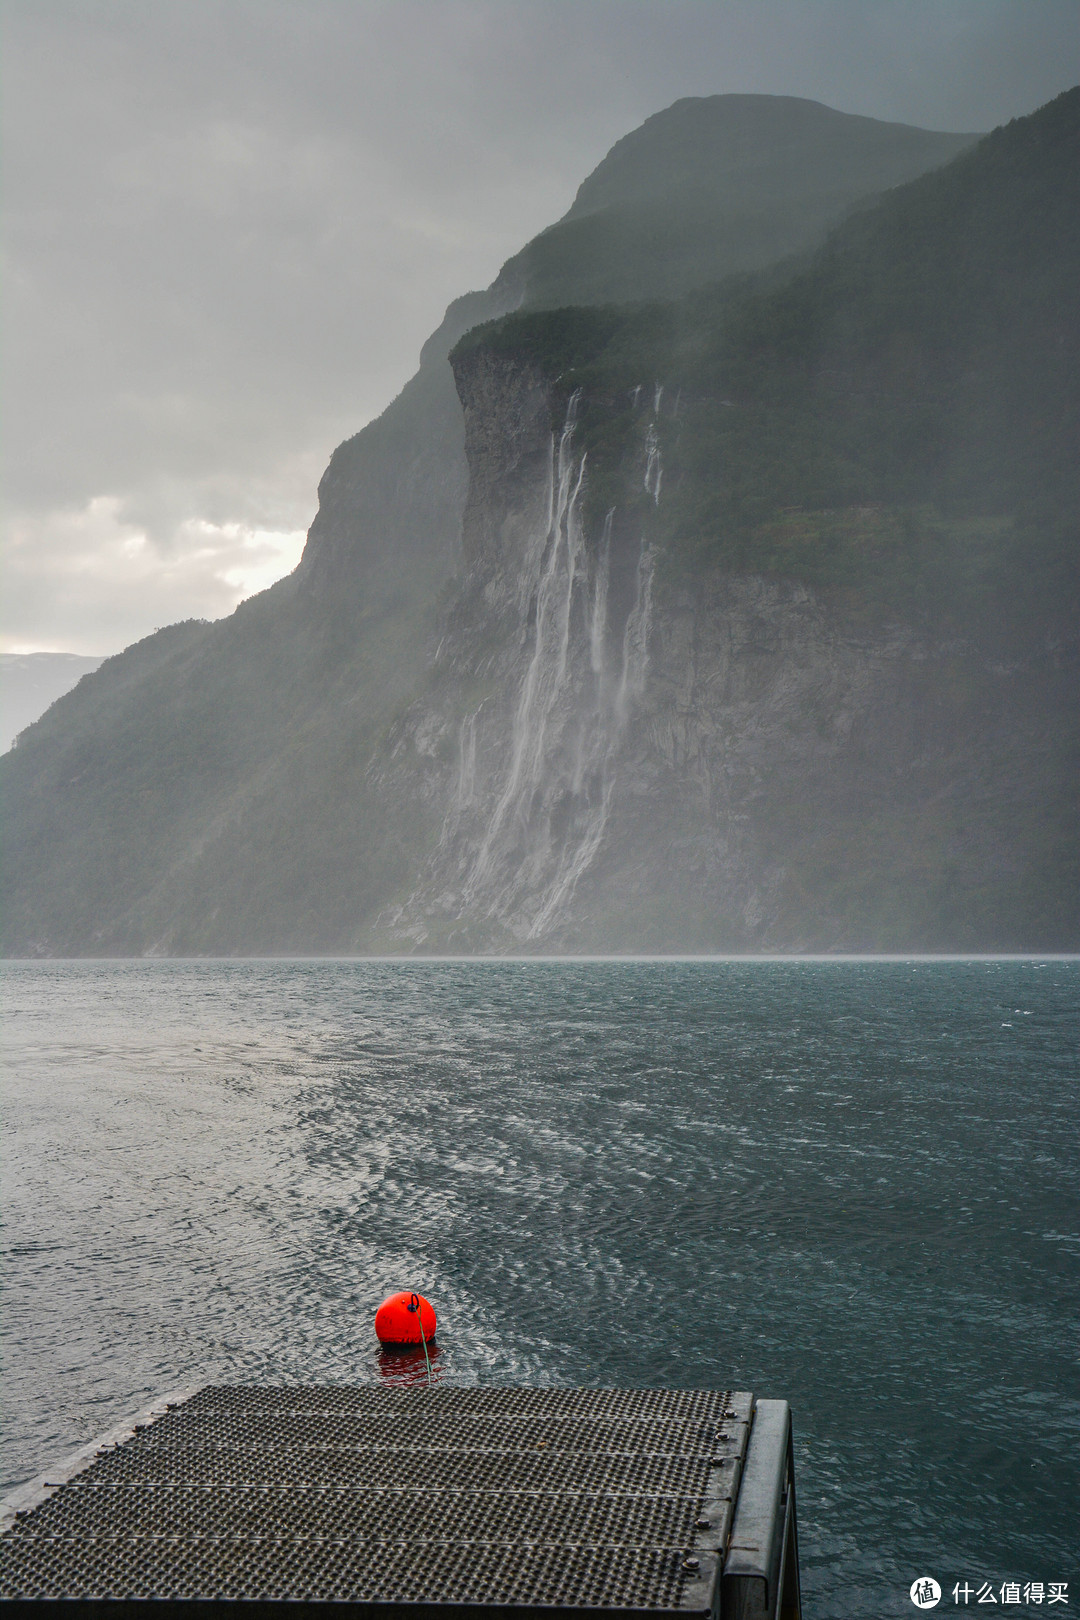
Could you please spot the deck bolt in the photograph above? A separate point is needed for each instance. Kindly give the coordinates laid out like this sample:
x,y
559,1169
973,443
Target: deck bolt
x,y
691,1563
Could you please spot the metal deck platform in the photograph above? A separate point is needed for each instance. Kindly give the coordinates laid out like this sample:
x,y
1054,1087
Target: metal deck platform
x,y
391,1502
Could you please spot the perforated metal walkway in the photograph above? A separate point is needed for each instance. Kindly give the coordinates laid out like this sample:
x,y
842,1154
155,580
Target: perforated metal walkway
x,y
394,1500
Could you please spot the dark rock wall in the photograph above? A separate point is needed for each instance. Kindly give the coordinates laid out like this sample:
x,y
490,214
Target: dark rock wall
x,y
570,748
770,775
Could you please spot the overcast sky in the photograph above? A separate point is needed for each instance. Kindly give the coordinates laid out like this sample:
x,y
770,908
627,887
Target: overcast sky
x,y
230,226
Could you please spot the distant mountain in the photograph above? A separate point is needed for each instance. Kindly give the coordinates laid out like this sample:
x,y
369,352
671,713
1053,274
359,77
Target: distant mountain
x,y
764,634
31,682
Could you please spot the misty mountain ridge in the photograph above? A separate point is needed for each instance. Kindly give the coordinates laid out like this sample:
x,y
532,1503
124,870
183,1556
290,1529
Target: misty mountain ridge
x,y
764,635
709,187
714,186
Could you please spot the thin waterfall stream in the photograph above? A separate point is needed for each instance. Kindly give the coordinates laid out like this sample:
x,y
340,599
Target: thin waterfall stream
x,y
543,813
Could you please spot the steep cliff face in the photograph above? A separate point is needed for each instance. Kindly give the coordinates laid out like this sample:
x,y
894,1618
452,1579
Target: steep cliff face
x,y
543,662
709,186
390,502
764,634
609,762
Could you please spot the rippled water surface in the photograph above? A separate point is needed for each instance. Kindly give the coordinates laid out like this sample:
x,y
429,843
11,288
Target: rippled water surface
x,y
854,1185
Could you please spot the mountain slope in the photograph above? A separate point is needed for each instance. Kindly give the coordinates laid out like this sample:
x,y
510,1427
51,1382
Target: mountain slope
x,y
711,185
780,699
929,353
795,664
31,682
714,186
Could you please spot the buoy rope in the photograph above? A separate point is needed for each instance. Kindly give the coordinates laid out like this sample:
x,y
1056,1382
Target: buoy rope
x,y
414,1305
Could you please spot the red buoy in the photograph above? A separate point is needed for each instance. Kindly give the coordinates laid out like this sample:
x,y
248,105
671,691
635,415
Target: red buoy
x,y
399,1319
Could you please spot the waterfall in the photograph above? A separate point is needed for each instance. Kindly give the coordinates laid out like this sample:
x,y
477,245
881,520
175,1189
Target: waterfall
x,y
525,831
635,647
654,471
598,617
558,559
465,792
566,878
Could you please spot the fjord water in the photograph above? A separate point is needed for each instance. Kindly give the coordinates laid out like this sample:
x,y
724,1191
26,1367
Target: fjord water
x,y
852,1184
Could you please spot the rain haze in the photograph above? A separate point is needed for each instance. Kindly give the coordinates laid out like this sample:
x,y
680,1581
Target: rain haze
x,y
229,229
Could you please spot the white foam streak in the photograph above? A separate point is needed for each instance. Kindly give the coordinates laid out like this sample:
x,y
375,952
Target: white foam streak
x,y
466,784
635,648
598,617
654,471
